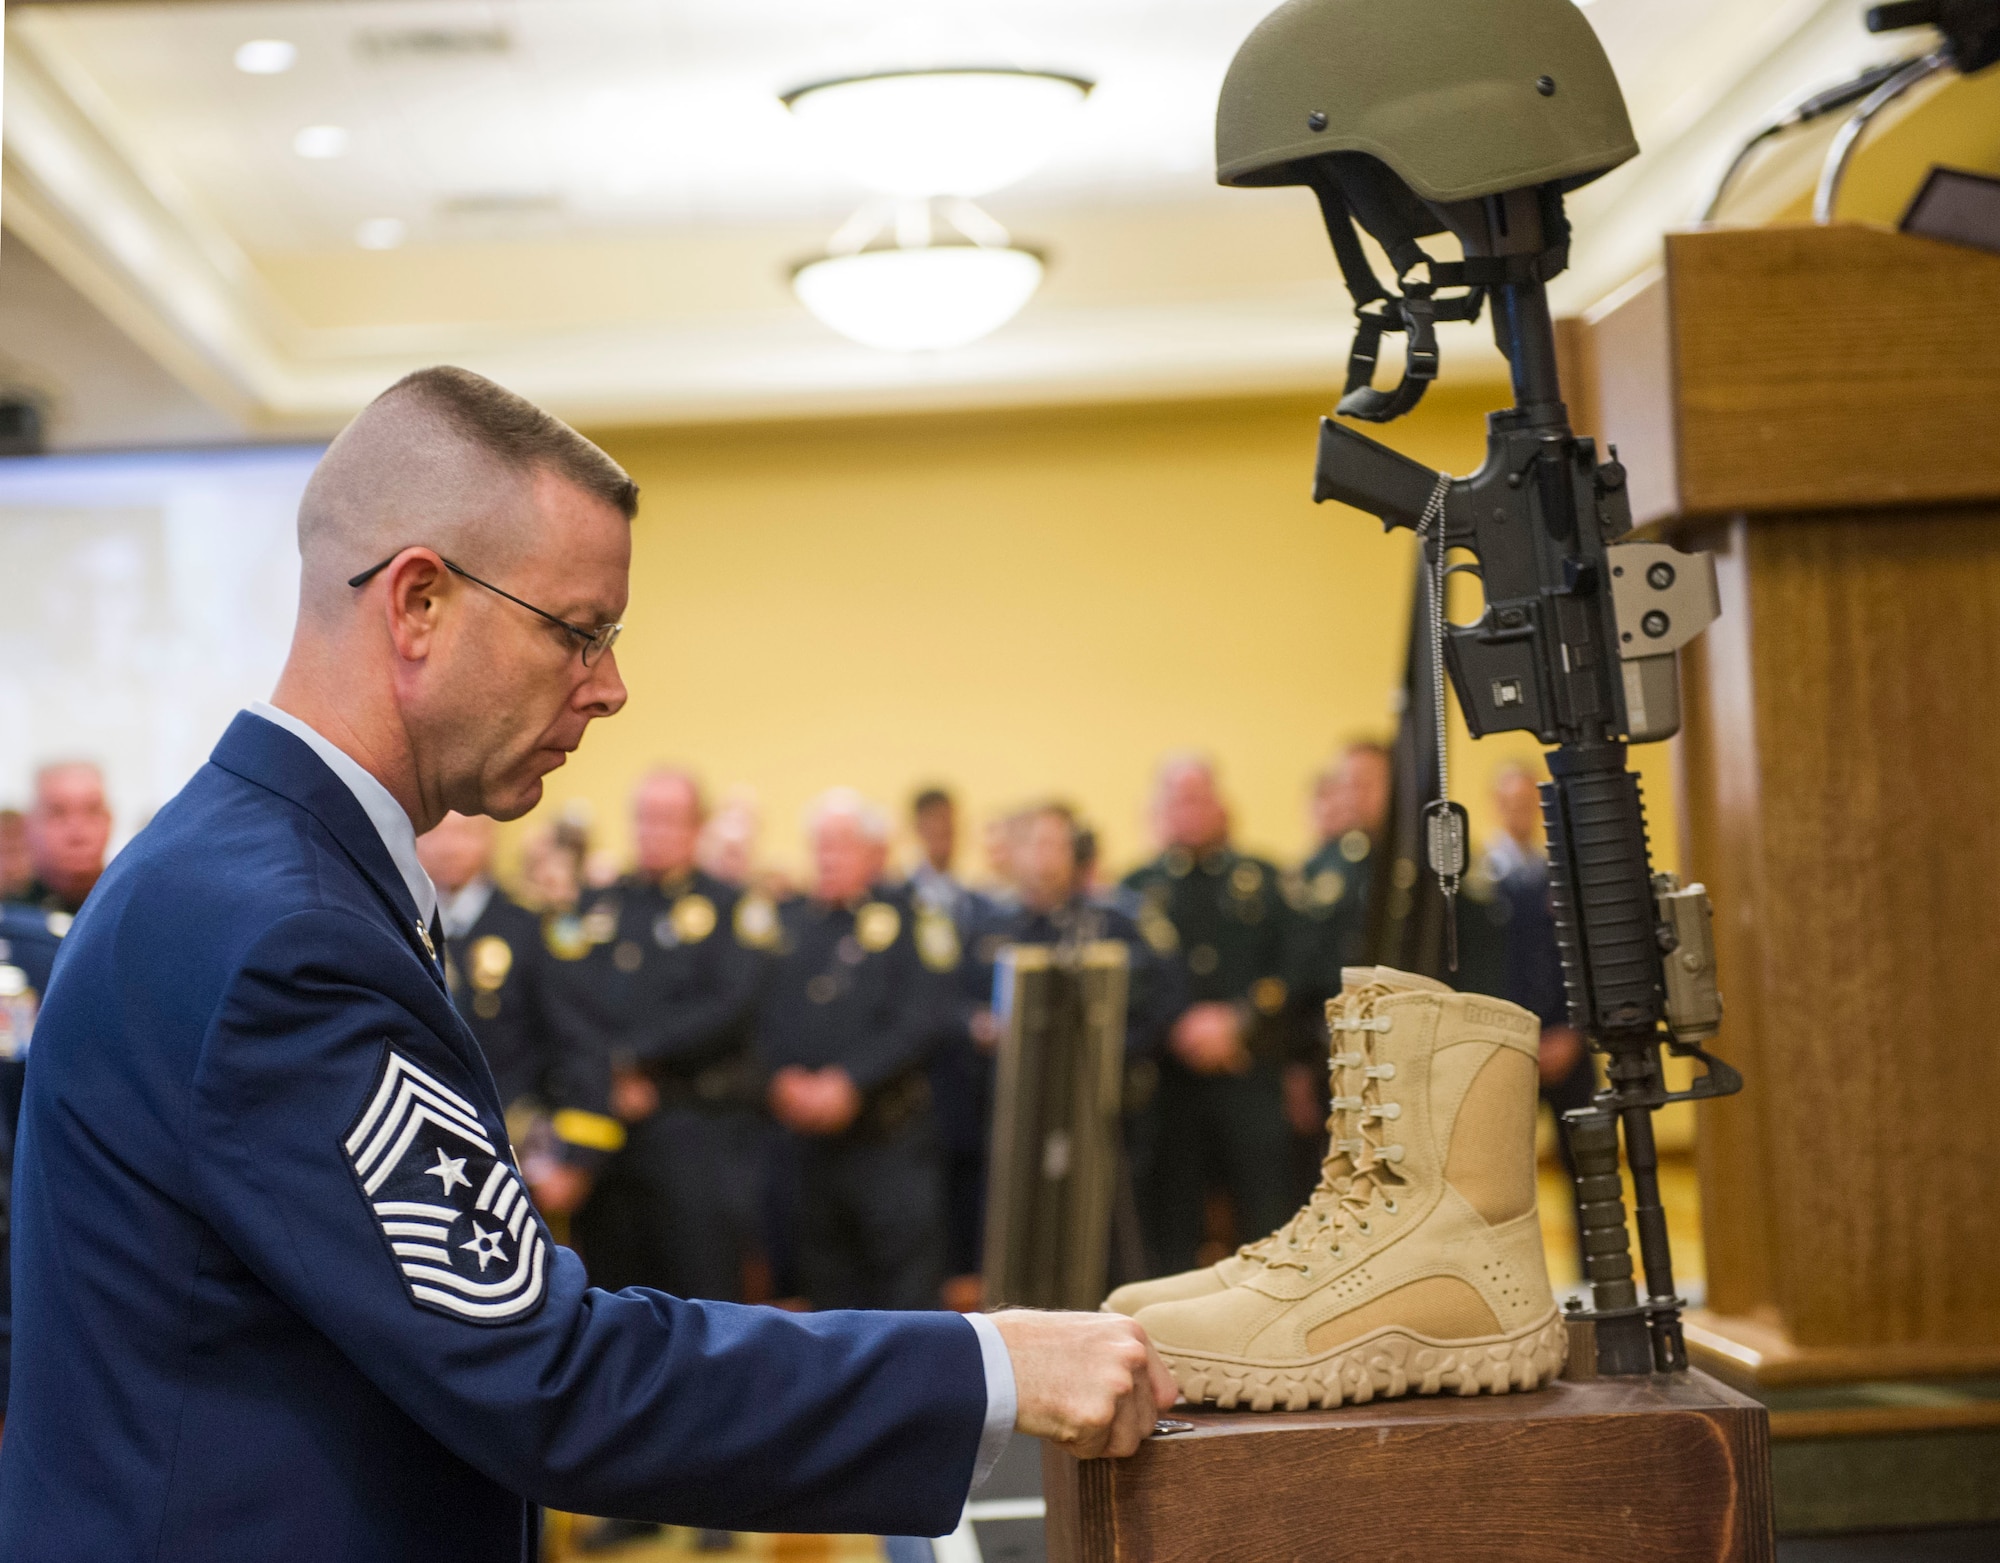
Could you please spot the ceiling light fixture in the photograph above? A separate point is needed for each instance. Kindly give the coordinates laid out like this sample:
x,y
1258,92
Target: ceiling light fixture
x,y
958,130
891,280
266,57
320,141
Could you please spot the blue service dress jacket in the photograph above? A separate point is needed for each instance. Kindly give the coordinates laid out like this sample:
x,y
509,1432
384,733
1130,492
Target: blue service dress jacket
x,y
278,1291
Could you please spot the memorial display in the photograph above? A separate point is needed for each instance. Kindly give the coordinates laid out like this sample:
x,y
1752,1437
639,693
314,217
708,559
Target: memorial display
x,y
1473,118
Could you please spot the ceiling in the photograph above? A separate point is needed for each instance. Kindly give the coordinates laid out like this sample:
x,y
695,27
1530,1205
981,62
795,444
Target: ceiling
x,y
602,198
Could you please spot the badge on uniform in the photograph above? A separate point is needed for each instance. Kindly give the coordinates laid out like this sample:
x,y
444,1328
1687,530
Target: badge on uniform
x,y
563,934
756,922
937,941
18,1004
451,1206
693,918
492,959
876,926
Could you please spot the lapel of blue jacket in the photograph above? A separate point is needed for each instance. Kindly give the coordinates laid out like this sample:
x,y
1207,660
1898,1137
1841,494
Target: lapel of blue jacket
x,y
264,753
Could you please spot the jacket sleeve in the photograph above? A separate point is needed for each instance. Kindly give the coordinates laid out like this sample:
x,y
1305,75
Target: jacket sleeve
x,y
633,1403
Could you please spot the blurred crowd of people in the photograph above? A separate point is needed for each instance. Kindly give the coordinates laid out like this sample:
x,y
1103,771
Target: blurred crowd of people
x,y
727,1085
730,1086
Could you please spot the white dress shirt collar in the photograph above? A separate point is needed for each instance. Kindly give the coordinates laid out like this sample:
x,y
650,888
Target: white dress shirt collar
x,y
376,801
460,909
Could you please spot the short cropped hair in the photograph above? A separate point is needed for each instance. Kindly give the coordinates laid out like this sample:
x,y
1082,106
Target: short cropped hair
x,y
930,798
517,433
845,803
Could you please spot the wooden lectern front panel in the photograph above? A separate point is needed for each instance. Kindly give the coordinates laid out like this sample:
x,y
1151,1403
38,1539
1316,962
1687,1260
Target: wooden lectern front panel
x,y
1842,762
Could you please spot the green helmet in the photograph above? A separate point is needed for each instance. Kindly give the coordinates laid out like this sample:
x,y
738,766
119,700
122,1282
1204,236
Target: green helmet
x,y
1408,117
1460,98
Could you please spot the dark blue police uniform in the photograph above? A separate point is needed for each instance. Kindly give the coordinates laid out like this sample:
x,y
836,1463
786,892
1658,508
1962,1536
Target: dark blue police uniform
x,y
279,1293
848,986
29,938
674,997
559,1096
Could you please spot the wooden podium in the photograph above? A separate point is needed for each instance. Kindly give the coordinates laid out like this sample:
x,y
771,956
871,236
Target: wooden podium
x,y
1644,1471
1821,406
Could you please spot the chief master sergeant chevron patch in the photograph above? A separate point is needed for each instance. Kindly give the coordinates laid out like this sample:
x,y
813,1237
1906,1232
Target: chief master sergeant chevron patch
x,y
448,1201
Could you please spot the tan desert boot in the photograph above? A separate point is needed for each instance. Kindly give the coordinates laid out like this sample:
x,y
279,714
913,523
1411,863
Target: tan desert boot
x,y
1247,1261
1417,1264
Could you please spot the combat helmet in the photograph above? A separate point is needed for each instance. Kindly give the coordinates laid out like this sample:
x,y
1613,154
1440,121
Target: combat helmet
x,y
1411,117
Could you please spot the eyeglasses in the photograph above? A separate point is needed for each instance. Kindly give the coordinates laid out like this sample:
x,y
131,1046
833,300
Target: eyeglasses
x,y
595,642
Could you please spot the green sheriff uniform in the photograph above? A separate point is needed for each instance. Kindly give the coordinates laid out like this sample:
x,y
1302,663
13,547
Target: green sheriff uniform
x,y
1225,917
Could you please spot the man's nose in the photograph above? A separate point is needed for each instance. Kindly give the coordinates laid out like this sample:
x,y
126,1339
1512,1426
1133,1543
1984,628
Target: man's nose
x,y
602,692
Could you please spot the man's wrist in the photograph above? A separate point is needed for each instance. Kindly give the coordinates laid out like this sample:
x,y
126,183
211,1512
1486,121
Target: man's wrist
x,y
1002,1399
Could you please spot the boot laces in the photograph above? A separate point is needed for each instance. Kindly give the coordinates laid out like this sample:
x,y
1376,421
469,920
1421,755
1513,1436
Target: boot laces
x,y
1362,1155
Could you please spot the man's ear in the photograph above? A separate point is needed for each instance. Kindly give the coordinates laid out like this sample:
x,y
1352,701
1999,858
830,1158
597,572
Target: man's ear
x,y
417,585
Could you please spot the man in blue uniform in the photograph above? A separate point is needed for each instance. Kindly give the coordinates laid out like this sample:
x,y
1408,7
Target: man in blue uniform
x,y
557,1100
846,1029
69,829
279,1294
29,937
951,918
675,992
1055,908
1219,1117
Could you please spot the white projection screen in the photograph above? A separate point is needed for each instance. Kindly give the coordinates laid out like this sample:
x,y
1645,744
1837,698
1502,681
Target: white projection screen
x,y
144,598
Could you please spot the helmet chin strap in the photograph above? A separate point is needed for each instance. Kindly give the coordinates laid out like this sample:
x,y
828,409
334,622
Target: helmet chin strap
x,y
1416,308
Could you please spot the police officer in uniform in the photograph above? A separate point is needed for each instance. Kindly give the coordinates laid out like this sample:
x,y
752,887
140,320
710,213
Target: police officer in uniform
x,y
558,1114
69,829
845,1032
1330,889
679,965
951,919
1056,908
1328,894
1218,1122
29,938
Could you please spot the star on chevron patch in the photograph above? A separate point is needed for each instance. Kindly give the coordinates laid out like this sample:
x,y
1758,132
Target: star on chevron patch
x,y
449,1202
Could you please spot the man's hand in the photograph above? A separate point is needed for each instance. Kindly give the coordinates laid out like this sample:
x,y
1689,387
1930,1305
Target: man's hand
x,y
985,1028
559,1189
814,1101
791,1096
839,1100
634,1096
1561,1047
1090,1383
1305,1109
1208,1038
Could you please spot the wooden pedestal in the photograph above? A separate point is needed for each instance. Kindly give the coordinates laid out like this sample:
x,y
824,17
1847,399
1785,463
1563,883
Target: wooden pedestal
x,y
1645,1471
1821,406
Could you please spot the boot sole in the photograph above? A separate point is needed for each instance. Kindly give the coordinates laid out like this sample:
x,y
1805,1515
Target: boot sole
x,y
1381,1366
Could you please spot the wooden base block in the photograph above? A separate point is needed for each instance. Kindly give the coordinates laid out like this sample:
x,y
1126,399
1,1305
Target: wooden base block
x,y
1643,1470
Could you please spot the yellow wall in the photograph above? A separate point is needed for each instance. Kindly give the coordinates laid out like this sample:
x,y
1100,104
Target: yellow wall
x,y
1013,604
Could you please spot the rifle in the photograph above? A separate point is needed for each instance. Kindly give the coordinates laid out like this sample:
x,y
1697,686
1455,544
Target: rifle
x,y
1577,644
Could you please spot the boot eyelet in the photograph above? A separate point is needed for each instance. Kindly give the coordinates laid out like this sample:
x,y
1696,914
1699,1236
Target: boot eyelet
x,y
1391,1206
1365,1229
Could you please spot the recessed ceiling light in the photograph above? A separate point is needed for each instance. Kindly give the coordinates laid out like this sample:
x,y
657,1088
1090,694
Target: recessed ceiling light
x,y
266,57
381,233
320,141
